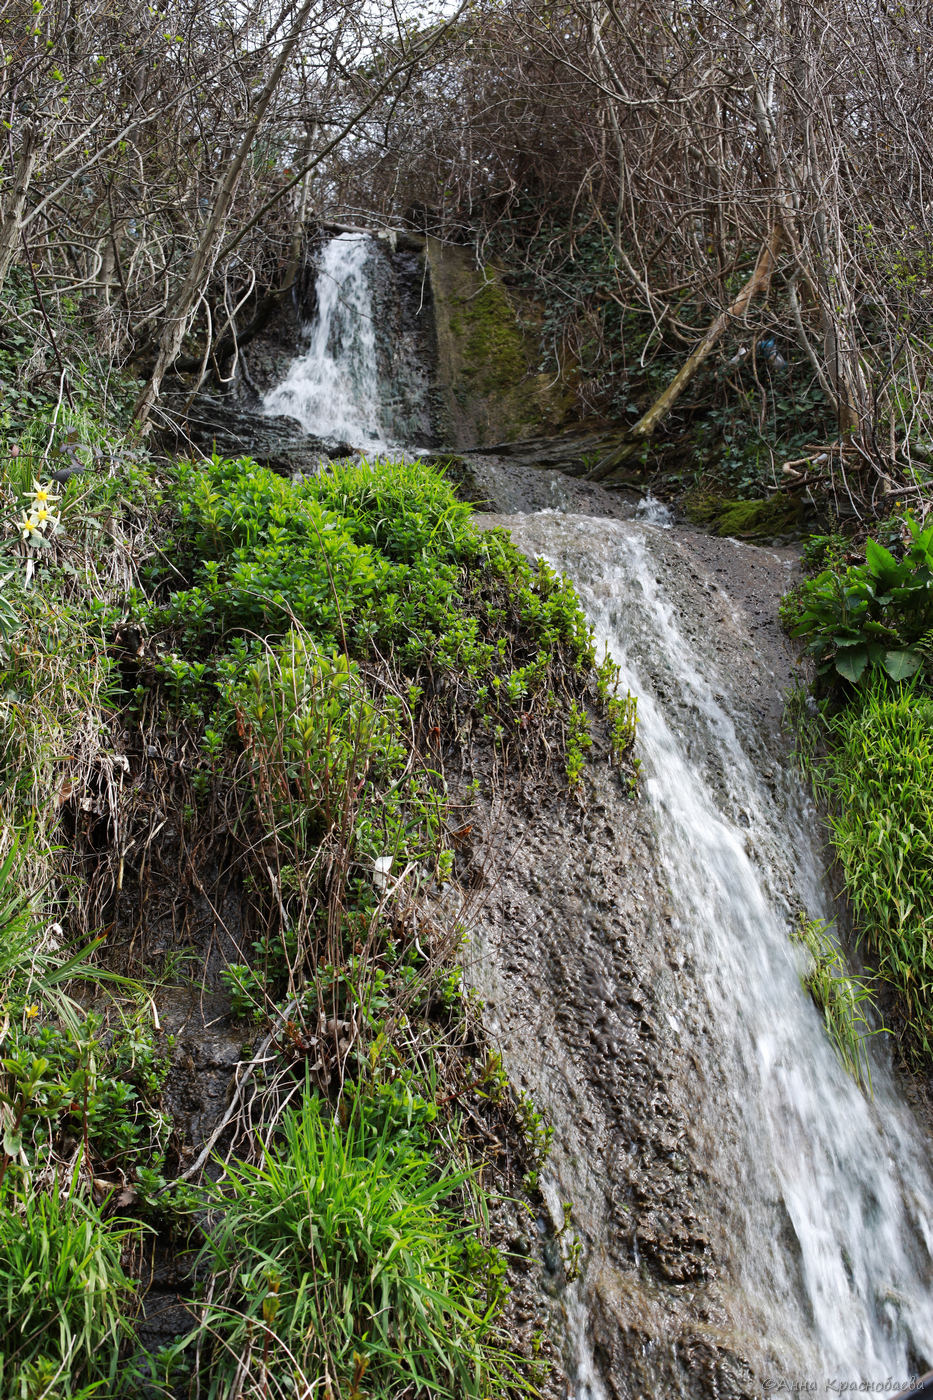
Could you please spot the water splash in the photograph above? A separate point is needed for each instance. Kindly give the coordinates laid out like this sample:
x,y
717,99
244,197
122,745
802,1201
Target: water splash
x,y
333,389
654,512
830,1191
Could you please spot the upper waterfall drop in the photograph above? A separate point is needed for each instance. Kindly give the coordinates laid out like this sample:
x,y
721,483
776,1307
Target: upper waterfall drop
x,y
333,389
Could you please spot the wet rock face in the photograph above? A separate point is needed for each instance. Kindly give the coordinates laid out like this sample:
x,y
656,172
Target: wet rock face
x,y
405,343
557,951
577,953
222,424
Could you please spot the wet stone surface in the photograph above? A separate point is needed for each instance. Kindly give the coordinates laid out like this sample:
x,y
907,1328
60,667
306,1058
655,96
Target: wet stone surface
x,y
577,956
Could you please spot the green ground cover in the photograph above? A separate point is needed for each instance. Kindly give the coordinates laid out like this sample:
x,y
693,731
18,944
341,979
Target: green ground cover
x,y
321,652
867,623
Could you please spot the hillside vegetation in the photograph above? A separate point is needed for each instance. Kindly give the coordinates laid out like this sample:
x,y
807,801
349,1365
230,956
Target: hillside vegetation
x,y
244,719
280,673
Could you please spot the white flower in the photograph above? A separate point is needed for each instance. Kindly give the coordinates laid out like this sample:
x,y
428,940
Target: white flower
x,y
382,867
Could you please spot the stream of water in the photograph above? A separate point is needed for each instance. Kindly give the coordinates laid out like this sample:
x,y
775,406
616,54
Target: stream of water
x,y
831,1188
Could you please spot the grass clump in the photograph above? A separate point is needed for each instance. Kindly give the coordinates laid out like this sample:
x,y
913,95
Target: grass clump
x,y
845,1000
878,775
65,1299
349,1265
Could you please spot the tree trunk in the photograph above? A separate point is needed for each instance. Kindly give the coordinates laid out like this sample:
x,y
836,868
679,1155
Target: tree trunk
x,y
12,221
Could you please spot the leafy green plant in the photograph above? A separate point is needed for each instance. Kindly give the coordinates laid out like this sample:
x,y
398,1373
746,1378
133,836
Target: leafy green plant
x,y
579,739
309,722
876,614
845,1000
65,1301
345,1254
83,1083
248,998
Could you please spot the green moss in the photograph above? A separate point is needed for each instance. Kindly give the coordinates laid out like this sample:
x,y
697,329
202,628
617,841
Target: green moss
x,y
491,343
745,520
488,352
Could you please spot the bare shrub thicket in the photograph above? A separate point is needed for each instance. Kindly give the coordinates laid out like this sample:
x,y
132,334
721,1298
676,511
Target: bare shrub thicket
x,y
157,161
767,164
762,165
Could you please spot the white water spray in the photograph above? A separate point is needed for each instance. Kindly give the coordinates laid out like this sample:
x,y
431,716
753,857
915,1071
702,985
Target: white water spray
x,y
333,388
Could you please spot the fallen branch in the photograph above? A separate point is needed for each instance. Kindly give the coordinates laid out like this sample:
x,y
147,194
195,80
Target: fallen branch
x,y
643,429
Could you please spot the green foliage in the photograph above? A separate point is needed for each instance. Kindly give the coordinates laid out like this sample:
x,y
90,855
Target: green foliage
x,y
871,615
65,1077
751,419
311,727
579,739
83,1083
877,775
64,1297
538,1135
359,557
821,552
845,1000
29,376
346,1255
32,971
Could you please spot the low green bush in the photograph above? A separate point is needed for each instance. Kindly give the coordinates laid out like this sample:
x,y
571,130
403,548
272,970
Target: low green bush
x,y
858,618
360,555
350,1266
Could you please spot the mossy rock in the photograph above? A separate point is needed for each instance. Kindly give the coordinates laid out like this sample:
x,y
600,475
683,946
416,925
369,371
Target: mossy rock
x,y
492,346
488,353
745,520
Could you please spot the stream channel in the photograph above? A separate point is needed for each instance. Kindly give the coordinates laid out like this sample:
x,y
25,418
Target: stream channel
x,y
751,1220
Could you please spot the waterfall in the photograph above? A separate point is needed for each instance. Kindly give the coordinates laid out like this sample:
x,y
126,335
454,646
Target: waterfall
x,y
333,389
825,1242
829,1189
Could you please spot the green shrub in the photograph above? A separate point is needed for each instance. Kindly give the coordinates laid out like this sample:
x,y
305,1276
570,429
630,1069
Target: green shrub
x,y
878,775
360,560
871,615
311,727
349,1265
64,1298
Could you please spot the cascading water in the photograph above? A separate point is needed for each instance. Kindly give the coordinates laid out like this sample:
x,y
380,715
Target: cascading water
x,y
829,1190
333,389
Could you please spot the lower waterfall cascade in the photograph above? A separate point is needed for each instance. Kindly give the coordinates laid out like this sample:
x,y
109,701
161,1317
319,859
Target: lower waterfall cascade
x,y
829,1187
